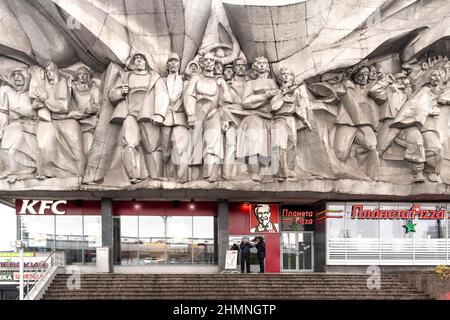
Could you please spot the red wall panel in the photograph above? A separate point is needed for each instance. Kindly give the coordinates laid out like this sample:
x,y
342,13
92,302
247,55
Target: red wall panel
x,y
164,208
239,224
72,208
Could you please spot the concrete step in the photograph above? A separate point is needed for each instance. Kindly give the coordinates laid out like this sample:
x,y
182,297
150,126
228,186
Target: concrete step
x,y
231,286
319,296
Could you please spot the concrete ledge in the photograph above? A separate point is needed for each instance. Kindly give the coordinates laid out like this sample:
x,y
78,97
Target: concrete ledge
x,y
300,191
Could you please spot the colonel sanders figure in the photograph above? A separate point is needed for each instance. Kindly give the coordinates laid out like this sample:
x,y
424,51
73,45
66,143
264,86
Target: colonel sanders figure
x,y
262,214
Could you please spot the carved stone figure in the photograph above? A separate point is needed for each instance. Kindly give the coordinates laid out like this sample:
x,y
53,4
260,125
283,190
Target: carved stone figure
x,y
59,137
201,102
290,116
419,132
18,123
141,100
373,74
175,130
389,93
218,68
254,131
228,73
232,115
357,122
87,97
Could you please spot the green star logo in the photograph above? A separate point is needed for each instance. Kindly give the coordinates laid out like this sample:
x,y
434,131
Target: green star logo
x,y
294,226
410,226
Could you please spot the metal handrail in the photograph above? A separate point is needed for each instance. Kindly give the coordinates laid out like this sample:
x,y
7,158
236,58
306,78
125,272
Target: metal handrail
x,y
28,285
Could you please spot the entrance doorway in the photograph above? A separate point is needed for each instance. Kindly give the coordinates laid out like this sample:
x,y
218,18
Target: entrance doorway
x,y
297,250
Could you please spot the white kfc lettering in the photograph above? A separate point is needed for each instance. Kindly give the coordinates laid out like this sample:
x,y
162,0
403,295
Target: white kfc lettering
x,y
45,204
55,205
28,207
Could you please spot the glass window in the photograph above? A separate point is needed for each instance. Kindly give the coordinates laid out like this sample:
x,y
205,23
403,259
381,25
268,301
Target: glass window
x,y
179,240
38,233
361,228
152,240
336,227
8,228
69,237
92,237
368,240
203,240
396,244
430,229
129,240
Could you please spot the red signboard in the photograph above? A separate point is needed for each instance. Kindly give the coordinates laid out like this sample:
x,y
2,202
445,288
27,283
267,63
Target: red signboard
x,y
415,212
57,207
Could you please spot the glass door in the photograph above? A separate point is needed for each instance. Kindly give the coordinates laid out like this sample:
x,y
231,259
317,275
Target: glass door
x,y
297,251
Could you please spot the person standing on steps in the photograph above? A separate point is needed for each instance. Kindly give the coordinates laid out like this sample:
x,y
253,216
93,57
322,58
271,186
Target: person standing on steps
x,y
261,253
245,247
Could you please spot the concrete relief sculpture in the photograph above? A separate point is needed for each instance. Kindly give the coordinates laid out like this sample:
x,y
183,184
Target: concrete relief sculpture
x,y
18,126
289,116
201,101
253,136
232,114
59,136
357,123
399,115
227,111
87,99
141,102
176,143
419,132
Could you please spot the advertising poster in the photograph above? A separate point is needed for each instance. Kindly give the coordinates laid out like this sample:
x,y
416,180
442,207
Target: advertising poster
x,y
231,259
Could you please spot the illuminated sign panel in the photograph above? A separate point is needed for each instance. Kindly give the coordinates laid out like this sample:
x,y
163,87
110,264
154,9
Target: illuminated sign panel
x,y
297,218
264,218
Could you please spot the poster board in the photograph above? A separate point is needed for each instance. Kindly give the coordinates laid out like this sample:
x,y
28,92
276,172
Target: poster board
x,y
231,259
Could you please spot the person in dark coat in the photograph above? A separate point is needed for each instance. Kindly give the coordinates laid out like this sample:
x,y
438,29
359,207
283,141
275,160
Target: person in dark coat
x,y
245,247
261,253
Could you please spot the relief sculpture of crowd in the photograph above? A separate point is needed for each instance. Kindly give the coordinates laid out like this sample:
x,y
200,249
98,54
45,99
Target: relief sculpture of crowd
x,y
221,119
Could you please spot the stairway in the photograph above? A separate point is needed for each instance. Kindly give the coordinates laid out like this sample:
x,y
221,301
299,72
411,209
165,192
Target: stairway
x,y
231,286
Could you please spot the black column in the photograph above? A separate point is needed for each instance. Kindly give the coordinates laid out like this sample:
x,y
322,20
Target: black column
x,y
107,229
222,228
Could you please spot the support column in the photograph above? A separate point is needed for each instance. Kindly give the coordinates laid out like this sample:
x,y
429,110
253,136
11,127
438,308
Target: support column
x,y
107,229
222,230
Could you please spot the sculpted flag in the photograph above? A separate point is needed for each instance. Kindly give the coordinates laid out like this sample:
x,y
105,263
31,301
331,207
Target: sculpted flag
x,y
106,133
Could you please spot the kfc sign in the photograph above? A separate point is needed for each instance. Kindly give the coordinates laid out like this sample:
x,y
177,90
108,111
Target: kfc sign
x,y
41,207
264,218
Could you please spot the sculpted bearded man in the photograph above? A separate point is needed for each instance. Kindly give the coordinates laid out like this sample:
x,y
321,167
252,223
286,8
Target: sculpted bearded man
x,y
254,130
18,124
59,137
141,102
201,101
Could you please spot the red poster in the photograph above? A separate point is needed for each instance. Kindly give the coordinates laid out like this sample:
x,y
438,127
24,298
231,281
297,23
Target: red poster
x,y
264,218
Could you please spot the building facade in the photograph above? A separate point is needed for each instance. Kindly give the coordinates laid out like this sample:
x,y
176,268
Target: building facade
x,y
167,139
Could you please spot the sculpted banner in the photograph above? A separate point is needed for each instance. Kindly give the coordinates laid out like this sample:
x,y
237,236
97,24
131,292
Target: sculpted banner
x,y
201,105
